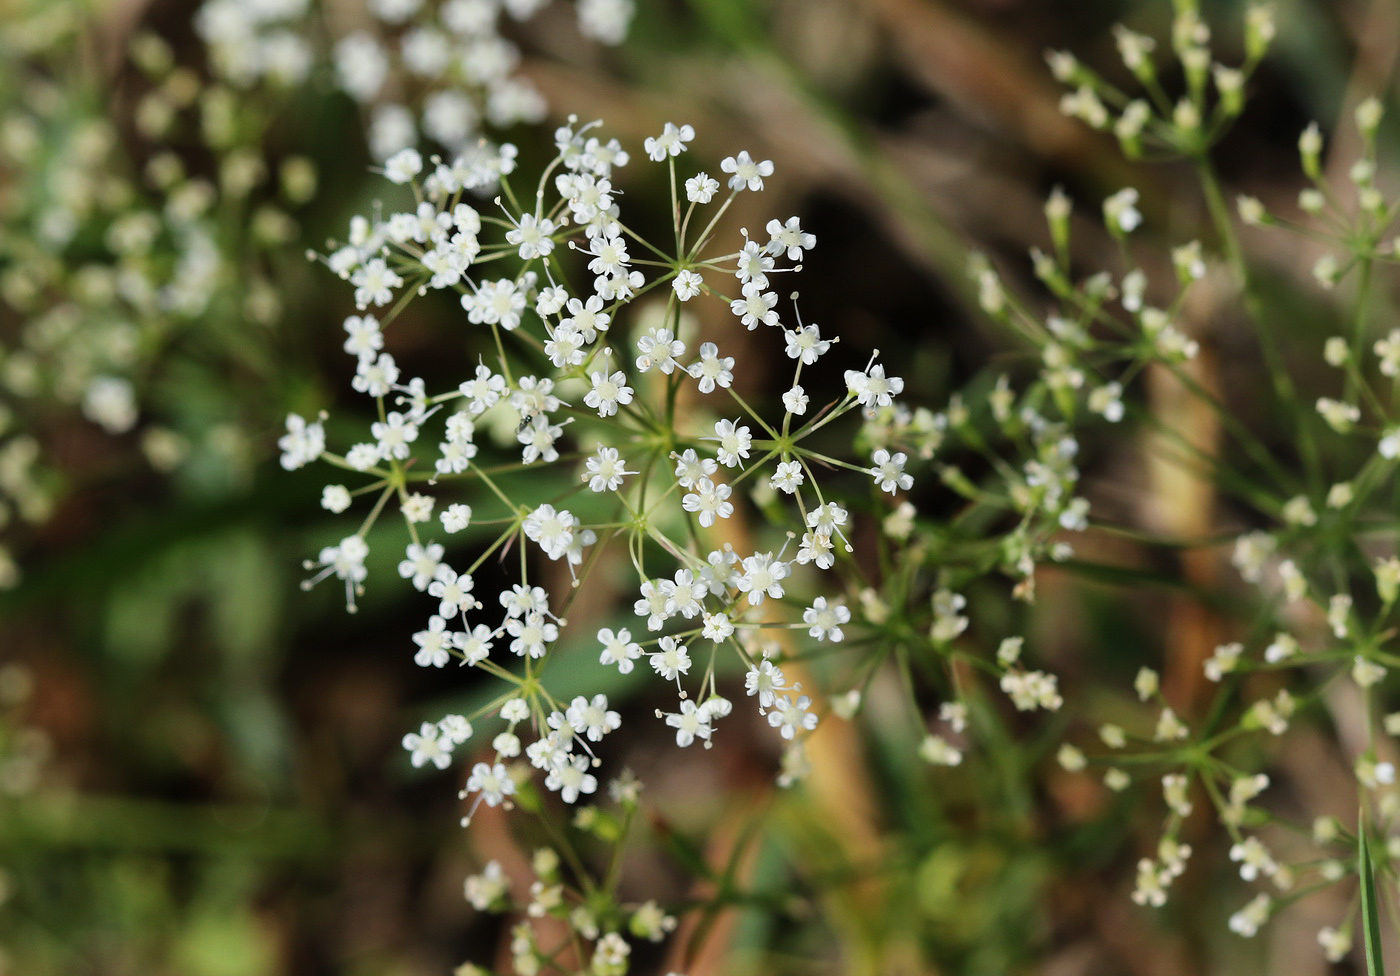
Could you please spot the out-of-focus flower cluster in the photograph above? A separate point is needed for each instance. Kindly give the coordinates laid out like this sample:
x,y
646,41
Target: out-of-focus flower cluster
x,y
438,71
1326,582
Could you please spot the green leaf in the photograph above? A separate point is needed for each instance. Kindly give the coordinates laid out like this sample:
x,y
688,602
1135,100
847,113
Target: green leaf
x,y
1370,920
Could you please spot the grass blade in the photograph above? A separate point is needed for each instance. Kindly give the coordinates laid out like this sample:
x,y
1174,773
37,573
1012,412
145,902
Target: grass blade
x,y
1370,919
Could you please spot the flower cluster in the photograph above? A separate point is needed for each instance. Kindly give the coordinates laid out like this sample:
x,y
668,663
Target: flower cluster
x,y
586,435
436,70
1326,606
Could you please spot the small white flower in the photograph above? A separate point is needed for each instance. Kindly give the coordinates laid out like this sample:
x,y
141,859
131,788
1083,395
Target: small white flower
x,y
403,166
672,660
789,715
888,471
712,370
746,173
824,621
755,306
789,237
618,648
552,529
426,746
764,680
687,284
690,723
671,142
795,401
787,477
591,717
701,188
734,443
609,390
493,782
605,470
455,517
709,501
335,498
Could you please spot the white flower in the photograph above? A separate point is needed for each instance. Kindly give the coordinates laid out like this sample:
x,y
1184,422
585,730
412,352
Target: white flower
x,y
605,470
609,390
709,500
530,634
364,337
434,644
824,621
806,344
671,142
873,388
421,563
789,237
475,645
712,370
734,443
717,627
483,390
591,718
763,576
690,468
672,660
499,302
1247,920
746,173
795,401
755,306
754,265
571,779
1335,943
403,166
375,377
1254,859
888,471
790,715
701,188
455,728
374,283
687,284
335,498
425,746
493,782
787,477
531,236
659,349
618,648
690,723
552,530
764,680
394,435
485,889
302,444
1120,210
936,750
455,517
453,591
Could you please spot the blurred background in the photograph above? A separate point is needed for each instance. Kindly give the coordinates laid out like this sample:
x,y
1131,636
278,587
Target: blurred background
x,y
199,764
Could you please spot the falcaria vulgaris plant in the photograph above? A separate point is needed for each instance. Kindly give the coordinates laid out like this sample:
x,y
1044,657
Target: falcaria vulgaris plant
x,y
737,523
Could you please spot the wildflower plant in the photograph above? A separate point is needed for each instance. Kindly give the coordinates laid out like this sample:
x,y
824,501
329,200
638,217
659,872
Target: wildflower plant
x,y
670,463
1310,511
631,459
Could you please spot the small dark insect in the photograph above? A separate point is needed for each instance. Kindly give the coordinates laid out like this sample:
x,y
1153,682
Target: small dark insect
x,y
525,422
